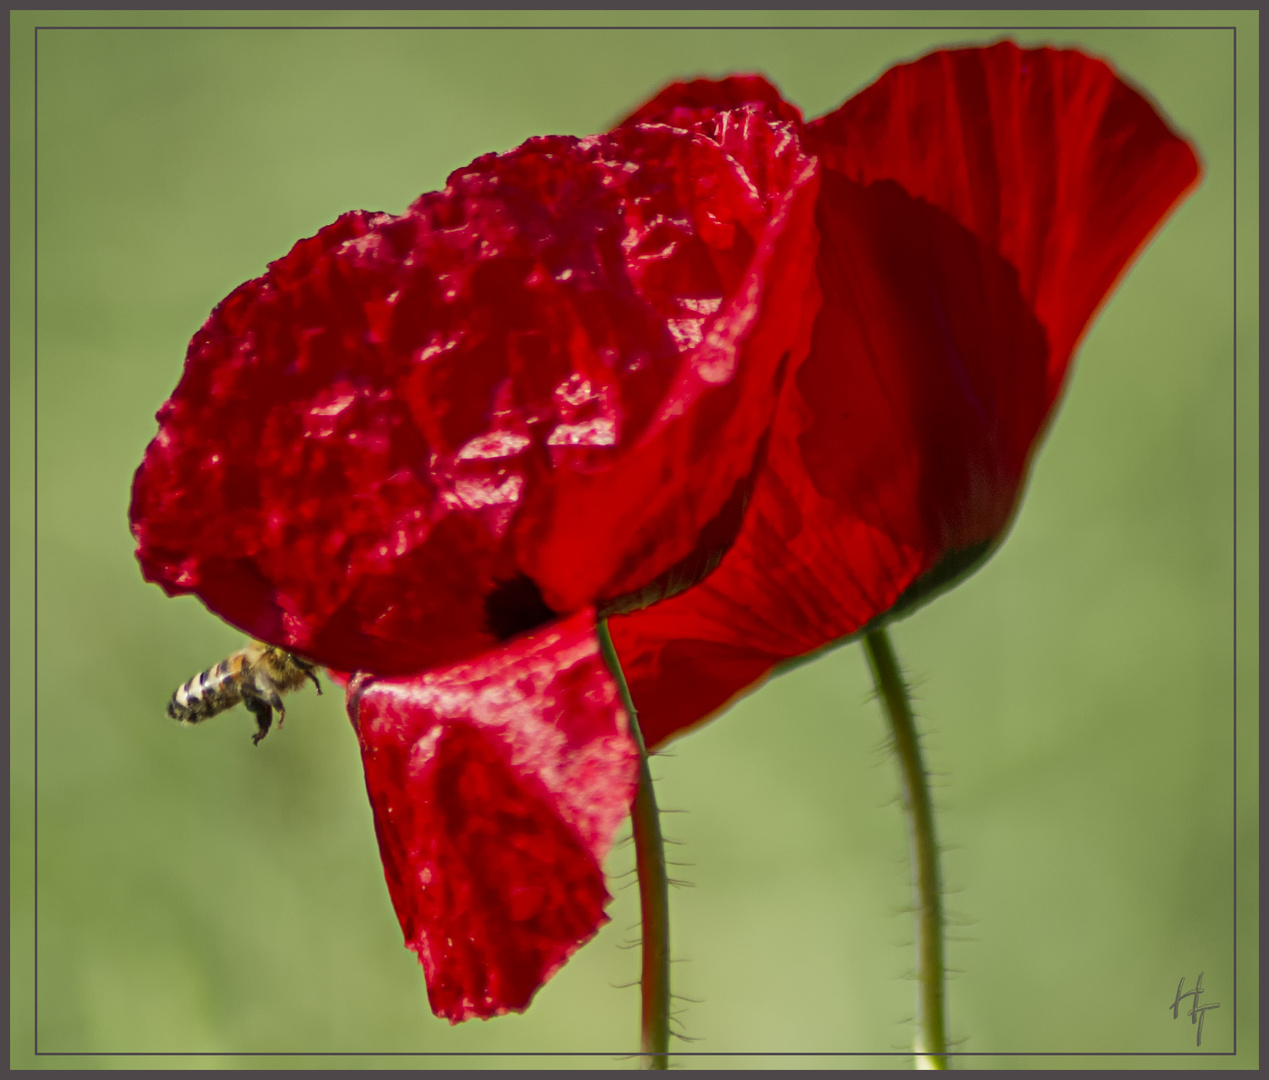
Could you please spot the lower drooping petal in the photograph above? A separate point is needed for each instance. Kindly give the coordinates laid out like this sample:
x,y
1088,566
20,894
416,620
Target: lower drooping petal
x,y
496,786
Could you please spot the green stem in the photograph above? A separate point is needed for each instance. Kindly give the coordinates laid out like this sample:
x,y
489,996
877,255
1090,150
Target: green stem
x,y
654,887
931,1040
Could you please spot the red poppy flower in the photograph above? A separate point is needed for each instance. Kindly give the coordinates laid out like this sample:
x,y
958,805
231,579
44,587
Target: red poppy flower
x,y
976,208
428,447
433,444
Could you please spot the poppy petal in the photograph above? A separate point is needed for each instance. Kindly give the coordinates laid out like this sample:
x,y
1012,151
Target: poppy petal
x,y
496,786
418,435
699,101
1046,155
902,439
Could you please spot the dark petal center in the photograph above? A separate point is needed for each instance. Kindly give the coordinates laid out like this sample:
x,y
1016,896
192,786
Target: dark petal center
x,y
516,606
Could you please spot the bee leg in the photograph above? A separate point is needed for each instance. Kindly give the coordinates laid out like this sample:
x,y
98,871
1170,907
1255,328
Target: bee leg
x,y
274,700
263,713
310,673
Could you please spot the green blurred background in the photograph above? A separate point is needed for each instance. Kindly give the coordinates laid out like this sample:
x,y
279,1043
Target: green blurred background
x,y
195,894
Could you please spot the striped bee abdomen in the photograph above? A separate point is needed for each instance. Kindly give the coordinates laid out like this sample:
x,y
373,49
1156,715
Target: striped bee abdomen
x,y
209,693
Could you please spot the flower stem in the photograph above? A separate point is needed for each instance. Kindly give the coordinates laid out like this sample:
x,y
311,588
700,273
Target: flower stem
x,y
654,887
931,1040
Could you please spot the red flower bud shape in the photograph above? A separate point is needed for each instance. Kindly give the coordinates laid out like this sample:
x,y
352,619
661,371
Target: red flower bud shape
x,y
427,447
976,208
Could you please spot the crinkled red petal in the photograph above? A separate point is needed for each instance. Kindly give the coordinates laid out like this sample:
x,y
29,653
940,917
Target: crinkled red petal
x,y
1045,155
900,450
417,435
698,102
496,786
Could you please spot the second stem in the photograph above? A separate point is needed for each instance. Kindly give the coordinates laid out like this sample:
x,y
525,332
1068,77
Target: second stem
x,y
931,1042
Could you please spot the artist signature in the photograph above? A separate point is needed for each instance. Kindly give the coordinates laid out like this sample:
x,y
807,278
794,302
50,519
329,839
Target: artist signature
x,y
1197,1011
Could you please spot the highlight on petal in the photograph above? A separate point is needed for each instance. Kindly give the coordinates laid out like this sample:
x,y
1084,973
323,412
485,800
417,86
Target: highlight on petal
x,y
545,386
965,243
698,102
496,787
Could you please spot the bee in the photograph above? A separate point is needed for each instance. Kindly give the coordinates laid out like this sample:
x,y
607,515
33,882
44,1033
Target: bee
x,y
257,676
